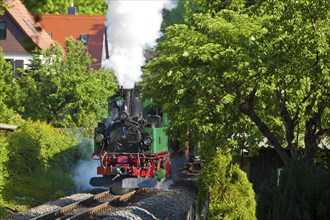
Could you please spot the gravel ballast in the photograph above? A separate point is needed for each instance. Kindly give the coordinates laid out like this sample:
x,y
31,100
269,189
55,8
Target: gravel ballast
x,y
47,207
170,202
165,204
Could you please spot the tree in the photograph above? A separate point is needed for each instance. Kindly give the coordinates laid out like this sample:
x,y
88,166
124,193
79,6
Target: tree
x,y
297,61
213,6
197,68
254,76
63,89
87,7
8,91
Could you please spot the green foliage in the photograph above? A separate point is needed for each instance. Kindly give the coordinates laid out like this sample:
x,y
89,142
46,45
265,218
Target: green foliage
x,y
199,66
4,152
51,185
213,6
174,16
87,7
40,156
252,75
230,193
8,91
37,143
65,90
302,193
3,5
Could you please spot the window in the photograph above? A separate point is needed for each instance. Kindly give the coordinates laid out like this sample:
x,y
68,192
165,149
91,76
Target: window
x,y
16,64
3,30
84,37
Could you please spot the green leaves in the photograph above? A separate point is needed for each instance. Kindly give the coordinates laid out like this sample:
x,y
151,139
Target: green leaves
x,y
4,152
230,193
39,154
8,92
86,7
65,90
201,66
225,67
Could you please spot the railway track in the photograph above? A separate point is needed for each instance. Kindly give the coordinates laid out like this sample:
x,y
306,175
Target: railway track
x,y
85,208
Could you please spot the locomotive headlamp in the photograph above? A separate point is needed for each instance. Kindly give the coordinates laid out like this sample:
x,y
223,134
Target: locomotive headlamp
x,y
123,116
147,140
98,138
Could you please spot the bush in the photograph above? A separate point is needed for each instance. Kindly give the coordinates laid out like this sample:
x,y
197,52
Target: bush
x,y
41,157
34,145
231,194
3,169
302,193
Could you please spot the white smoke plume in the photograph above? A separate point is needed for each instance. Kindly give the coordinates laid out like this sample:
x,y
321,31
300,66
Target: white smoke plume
x,y
132,27
84,171
86,168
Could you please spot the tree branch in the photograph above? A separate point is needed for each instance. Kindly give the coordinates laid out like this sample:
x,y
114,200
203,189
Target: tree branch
x,y
263,128
288,122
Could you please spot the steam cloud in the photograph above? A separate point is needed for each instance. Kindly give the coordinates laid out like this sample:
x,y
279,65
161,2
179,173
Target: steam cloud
x,y
84,171
86,167
132,27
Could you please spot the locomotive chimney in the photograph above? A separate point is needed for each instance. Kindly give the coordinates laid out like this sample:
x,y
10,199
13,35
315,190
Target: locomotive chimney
x,y
127,93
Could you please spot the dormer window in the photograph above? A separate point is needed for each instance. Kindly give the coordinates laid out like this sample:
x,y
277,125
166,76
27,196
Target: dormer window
x,y
3,30
84,38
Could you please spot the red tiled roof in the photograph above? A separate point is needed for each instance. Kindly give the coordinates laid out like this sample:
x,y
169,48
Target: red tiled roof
x,y
26,21
62,27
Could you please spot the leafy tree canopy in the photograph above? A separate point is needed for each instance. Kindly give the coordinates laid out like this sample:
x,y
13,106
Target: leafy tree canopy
x,y
8,91
212,7
63,89
87,7
257,76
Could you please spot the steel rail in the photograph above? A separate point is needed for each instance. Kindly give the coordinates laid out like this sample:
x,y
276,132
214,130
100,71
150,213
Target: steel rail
x,y
98,208
63,212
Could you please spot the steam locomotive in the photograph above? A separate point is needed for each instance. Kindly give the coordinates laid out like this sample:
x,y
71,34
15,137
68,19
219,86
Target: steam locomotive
x,y
131,145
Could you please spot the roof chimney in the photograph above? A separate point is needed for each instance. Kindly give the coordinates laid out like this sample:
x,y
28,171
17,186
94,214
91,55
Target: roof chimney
x,y
72,10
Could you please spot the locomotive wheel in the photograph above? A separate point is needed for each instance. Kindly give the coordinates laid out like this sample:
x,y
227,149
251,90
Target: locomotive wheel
x,y
120,191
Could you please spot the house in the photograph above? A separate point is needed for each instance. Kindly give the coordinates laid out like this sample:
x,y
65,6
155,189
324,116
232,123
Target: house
x,y
20,34
88,28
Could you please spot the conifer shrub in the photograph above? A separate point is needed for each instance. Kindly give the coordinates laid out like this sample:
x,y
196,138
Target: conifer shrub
x,y
230,193
301,192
